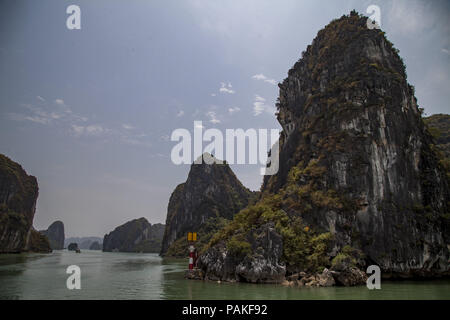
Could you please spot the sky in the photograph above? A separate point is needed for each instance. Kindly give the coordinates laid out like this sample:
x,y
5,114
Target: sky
x,y
90,112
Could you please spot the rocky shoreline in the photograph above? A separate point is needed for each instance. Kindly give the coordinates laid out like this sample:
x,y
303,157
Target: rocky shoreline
x,y
328,278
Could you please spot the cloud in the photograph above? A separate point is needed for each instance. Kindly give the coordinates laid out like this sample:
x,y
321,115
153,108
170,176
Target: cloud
x,y
259,106
37,119
39,114
59,114
127,126
180,113
261,77
226,88
271,81
213,94
233,110
46,113
446,51
212,117
95,129
60,102
90,130
77,130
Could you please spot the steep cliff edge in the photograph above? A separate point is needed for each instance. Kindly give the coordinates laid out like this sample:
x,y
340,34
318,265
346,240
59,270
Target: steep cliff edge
x,y
359,182
55,235
135,236
18,195
211,195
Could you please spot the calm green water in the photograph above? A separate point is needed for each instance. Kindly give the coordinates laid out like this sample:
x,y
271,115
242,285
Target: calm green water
x,y
147,276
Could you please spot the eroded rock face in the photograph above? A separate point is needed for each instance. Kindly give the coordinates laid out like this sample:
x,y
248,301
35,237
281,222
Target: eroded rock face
x,y
18,195
357,166
37,242
55,235
347,105
210,191
135,236
261,265
439,127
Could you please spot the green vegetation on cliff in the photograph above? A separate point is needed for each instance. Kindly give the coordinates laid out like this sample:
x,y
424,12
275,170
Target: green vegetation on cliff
x,y
38,242
439,127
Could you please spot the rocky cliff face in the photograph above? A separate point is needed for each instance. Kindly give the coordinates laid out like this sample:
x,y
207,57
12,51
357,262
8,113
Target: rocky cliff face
x,y
359,180
135,236
18,195
37,242
439,127
210,194
55,235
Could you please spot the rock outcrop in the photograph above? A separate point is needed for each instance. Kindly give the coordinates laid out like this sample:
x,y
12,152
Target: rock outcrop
x,y
18,196
37,242
358,180
210,194
73,246
439,127
135,236
55,235
257,260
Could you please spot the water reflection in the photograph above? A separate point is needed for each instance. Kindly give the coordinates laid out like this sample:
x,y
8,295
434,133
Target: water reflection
x,y
147,276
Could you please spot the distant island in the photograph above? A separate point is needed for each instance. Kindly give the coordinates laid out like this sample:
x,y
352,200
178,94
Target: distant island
x,y
135,236
83,242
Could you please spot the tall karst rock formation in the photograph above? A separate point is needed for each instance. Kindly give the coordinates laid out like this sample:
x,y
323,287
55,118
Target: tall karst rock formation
x,y
211,195
55,235
358,174
18,195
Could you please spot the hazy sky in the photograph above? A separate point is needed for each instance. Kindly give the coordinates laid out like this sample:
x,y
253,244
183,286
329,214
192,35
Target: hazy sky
x,y
89,112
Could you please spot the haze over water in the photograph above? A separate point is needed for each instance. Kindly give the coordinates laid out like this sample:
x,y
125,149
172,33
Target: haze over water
x,y
107,275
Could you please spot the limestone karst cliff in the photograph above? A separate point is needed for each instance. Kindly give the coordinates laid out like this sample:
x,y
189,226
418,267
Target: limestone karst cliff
x,y
135,236
439,127
211,195
18,196
359,181
55,235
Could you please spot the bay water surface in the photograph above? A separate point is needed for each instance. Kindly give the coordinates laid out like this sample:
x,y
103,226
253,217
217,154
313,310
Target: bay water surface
x,y
112,275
